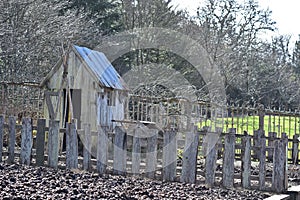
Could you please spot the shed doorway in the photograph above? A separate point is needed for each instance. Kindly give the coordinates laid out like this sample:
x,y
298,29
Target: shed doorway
x,y
76,107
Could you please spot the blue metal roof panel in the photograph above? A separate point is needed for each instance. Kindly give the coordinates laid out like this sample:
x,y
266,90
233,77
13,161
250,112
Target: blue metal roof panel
x,y
102,68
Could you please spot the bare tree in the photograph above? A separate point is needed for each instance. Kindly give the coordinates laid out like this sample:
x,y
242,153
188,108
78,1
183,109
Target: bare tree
x,y
32,34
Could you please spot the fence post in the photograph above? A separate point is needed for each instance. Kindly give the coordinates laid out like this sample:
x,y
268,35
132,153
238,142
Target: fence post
x,y
136,151
262,163
228,159
211,158
257,140
169,155
279,175
53,143
151,156
71,145
1,135
102,150
285,140
272,136
189,157
246,161
295,150
87,147
26,141
12,140
261,113
120,150
260,132
40,142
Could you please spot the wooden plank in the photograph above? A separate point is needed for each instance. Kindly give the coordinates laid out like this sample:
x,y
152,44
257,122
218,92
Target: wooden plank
x,y
209,148
136,151
271,138
120,149
295,150
262,163
151,156
228,159
279,166
87,147
40,142
189,158
256,144
1,136
246,162
12,140
71,146
169,155
102,150
49,103
26,141
53,143
210,166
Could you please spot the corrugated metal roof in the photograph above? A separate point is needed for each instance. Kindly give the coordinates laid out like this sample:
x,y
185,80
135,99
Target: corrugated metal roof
x,y
102,68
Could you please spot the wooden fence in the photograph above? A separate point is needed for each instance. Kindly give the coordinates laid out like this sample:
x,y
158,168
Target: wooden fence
x,y
256,121
206,157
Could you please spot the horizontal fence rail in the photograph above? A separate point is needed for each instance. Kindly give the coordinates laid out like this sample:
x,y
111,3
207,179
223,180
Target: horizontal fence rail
x,y
213,157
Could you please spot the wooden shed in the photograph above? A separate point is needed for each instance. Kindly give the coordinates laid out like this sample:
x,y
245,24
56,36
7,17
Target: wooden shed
x,y
84,85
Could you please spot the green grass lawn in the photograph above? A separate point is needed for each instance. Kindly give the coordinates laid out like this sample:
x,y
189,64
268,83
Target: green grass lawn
x,y
288,125
278,124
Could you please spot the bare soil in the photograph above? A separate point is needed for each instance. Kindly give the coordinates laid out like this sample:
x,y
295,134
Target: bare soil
x,y
27,182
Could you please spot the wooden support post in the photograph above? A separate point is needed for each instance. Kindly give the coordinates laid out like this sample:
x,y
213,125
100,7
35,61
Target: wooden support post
x,y
102,150
12,140
189,158
71,145
151,156
87,147
295,150
26,141
40,142
120,149
1,135
279,175
53,143
136,151
169,155
262,164
246,162
228,159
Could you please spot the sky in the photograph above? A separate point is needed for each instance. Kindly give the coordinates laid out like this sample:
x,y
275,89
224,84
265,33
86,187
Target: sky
x,y
286,13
